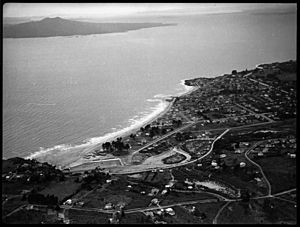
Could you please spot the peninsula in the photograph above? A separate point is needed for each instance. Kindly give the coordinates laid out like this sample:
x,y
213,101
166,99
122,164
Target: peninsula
x,y
223,153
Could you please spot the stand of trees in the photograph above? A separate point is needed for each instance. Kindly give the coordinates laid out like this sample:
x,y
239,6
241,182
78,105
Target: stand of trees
x,y
95,175
36,198
117,146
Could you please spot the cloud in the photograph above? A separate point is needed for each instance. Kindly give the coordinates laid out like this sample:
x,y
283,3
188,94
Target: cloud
x,y
122,9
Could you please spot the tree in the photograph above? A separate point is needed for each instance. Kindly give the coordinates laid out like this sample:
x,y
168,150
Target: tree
x,y
178,136
132,136
127,146
234,72
245,195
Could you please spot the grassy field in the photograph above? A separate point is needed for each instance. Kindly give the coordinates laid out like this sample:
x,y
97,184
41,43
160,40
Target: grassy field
x,y
263,211
281,212
210,210
115,193
11,205
62,189
182,216
88,217
237,213
176,197
15,188
25,217
135,218
280,171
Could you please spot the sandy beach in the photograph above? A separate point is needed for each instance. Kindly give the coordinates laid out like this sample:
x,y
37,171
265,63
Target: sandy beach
x,y
93,147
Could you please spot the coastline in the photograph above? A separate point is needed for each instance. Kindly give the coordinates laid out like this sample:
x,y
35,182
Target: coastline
x,y
81,160
64,156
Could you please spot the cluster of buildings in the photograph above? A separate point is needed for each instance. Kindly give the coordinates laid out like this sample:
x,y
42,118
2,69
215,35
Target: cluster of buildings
x,y
32,171
277,147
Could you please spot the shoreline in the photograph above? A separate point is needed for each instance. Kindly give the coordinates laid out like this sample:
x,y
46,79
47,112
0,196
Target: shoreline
x,y
81,160
89,146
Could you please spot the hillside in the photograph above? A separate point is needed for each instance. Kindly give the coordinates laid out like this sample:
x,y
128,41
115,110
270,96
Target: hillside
x,y
57,26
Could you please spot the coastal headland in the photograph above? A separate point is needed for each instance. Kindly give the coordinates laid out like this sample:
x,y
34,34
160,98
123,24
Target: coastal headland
x,y
227,147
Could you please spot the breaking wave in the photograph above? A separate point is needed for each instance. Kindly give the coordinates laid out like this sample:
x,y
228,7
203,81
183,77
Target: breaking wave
x,y
135,123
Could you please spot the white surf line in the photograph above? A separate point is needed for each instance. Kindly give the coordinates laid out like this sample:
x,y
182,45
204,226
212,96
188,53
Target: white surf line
x,y
42,104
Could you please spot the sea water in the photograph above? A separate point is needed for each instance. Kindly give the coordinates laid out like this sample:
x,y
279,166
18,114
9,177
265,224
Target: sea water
x,y
66,92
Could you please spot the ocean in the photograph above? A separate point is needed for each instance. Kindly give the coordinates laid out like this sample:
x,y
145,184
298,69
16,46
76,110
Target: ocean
x,y
61,94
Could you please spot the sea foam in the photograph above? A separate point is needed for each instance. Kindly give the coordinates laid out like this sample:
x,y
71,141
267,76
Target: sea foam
x,y
134,124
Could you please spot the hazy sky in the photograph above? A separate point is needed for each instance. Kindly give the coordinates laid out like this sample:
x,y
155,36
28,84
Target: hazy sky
x,y
127,9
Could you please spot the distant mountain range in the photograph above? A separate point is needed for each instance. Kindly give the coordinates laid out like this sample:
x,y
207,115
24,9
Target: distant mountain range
x,y
57,26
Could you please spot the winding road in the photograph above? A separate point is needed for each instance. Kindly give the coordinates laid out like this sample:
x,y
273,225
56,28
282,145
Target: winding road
x,y
258,166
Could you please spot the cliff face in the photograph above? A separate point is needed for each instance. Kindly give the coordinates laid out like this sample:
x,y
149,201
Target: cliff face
x,y
57,26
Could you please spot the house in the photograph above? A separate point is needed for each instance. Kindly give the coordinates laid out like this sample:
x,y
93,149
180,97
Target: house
x,y
154,191
170,211
51,212
242,164
214,163
223,155
66,221
108,206
81,203
149,213
260,154
265,150
164,192
292,155
238,151
68,202
154,201
257,179
61,214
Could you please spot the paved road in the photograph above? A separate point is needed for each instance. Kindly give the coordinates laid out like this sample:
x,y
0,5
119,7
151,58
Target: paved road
x,y
16,210
264,84
258,166
261,114
165,136
143,209
274,195
184,127
236,127
134,210
122,171
219,212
